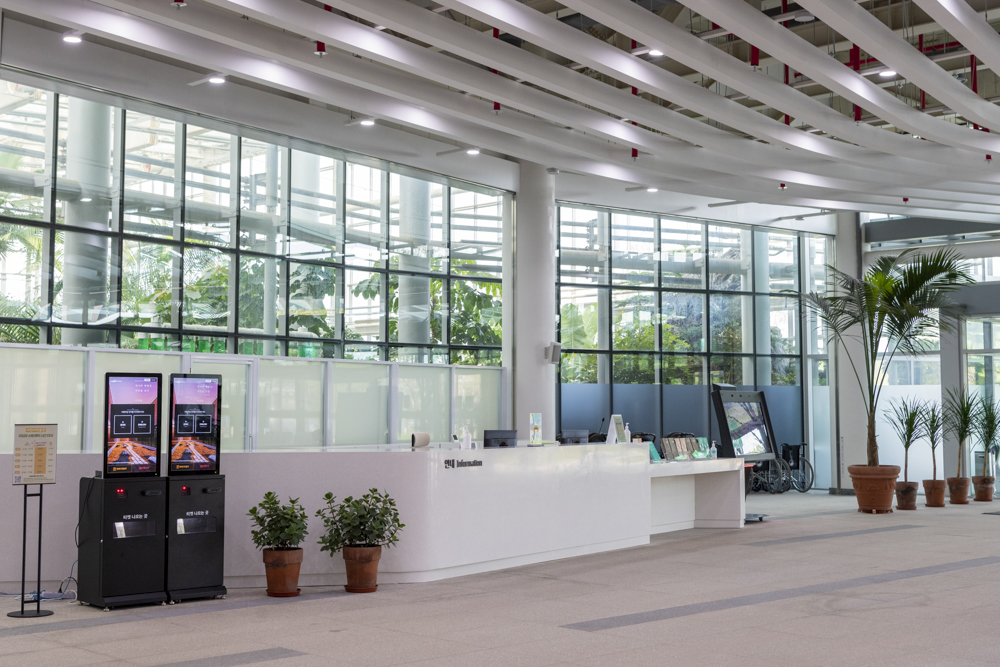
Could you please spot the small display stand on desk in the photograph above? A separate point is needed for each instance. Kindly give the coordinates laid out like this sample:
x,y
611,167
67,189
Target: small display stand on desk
x,y
745,431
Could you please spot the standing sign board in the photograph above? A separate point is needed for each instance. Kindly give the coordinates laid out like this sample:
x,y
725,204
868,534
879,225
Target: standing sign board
x,y
35,454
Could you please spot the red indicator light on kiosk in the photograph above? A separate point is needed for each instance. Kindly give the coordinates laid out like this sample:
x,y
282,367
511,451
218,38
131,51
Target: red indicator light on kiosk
x,y
120,492
184,488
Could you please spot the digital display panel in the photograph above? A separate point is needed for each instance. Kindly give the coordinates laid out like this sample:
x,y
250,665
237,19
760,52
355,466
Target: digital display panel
x,y
194,423
132,426
747,427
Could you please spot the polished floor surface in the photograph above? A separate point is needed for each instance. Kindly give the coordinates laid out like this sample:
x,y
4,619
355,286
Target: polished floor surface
x,y
815,584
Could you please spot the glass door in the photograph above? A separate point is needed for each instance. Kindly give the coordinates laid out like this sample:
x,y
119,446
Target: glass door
x,y
237,429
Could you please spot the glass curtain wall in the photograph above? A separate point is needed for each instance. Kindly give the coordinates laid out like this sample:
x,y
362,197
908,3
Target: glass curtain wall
x,y
125,229
982,368
655,309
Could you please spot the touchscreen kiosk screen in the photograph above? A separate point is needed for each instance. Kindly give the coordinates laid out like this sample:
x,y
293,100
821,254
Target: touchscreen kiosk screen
x,y
194,423
747,427
132,431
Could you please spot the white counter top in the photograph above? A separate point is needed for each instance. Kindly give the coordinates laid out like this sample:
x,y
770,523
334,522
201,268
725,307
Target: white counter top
x,y
695,467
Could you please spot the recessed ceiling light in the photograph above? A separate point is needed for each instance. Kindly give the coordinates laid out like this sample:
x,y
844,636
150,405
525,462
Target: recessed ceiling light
x,y
86,199
472,151
652,189
655,53
887,73
216,78
367,122
72,38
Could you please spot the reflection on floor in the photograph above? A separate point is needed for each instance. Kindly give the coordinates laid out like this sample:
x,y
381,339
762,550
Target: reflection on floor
x,y
815,584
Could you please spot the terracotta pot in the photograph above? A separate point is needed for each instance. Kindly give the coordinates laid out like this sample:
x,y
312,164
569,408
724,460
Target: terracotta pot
x,y
282,569
984,488
874,486
934,492
958,490
362,569
906,495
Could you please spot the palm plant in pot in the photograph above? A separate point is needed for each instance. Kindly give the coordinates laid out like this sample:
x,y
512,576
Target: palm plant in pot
x,y
279,529
961,413
360,527
905,417
933,420
988,429
898,306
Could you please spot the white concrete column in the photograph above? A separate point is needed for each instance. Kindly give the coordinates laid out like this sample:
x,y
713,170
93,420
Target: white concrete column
x,y
534,279
952,379
850,447
414,324
85,256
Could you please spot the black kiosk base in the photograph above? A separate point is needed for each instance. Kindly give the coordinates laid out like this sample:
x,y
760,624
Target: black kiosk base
x,y
121,541
196,522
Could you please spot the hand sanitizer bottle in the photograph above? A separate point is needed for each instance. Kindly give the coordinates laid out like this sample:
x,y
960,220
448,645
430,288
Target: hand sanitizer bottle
x,y
714,451
628,434
466,438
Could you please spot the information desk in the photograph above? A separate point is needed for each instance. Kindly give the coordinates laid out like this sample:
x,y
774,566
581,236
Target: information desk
x,y
465,511
696,494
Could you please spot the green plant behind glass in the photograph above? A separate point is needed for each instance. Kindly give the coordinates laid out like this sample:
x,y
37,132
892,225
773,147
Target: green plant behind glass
x,y
899,305
961,414
933,420
278,526
987,428
906,418
369,521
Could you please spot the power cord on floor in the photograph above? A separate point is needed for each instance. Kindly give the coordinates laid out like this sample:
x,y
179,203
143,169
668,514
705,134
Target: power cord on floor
x,y
62,594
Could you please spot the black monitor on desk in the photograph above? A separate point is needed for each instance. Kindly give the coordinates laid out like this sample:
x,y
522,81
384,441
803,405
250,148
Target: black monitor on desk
x,y
500,438
744,424
575,436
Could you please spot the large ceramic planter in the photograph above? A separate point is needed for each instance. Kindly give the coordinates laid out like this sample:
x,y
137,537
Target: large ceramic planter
x,y
958,490
874,487
984,488
282,569
906,495
934,492
362,569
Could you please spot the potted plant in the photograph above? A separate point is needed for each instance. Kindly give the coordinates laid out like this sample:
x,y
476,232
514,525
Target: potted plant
x,y
279,529
905,417
360,527
898,305
933,420
987,428
961,414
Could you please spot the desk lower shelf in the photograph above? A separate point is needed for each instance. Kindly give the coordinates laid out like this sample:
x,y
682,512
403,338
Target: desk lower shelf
x,y
696,494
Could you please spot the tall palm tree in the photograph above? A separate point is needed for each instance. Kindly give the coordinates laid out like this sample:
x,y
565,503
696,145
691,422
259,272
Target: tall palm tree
x,y
900,304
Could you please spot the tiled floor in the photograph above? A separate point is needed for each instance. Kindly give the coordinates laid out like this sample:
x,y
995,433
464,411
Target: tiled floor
x,y
909,589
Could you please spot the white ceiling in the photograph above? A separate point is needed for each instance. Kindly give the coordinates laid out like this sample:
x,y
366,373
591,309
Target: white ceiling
x,y
706,125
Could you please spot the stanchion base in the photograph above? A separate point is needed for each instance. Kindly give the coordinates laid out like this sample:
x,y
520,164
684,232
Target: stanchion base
x,y
31,613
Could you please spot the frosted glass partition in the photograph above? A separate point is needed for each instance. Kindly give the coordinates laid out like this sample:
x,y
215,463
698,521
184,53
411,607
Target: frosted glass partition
x,y
233,423
130,362
359,403
424,402
42,387
290,404
477,399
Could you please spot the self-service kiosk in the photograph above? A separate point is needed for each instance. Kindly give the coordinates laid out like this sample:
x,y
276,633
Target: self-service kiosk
x,y
121,535
196,498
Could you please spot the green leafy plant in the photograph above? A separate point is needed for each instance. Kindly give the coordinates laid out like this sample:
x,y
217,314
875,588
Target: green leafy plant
x,y
369,521
961,413
278,526
932,417
905,416
900,304
988,429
